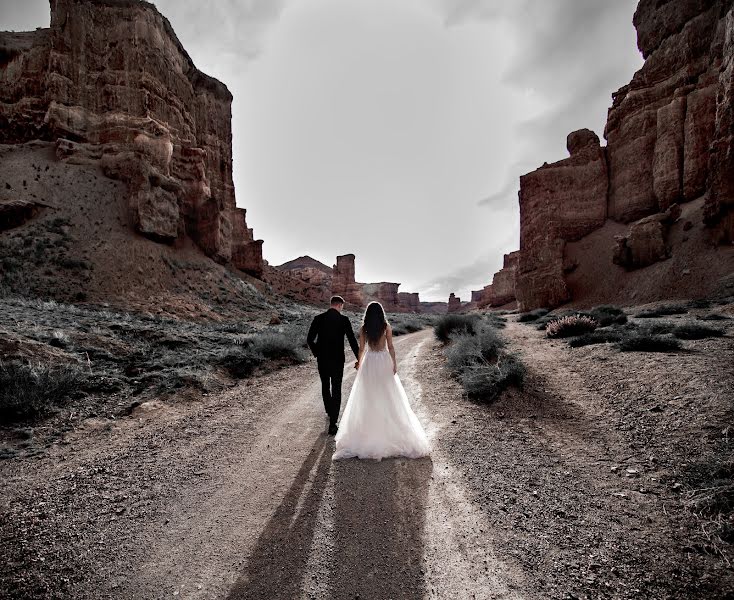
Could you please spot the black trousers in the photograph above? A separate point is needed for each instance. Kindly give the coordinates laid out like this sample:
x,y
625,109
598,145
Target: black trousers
x,y
331,373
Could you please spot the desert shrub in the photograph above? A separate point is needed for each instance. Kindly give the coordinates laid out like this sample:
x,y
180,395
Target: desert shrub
x,y
649,343
473,350
241,362
699,303
403,326
570,326
662,311
495,320
607,314
714,317
595,337
697,331
533,315
487,382
28,391
449,325
275,346
254,352
656,328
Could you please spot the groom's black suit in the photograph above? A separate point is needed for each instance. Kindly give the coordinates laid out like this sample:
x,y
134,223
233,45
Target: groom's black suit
x,y
326,340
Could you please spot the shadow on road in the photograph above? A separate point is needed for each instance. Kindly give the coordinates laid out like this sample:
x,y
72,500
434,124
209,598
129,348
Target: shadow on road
x,y
379,515
278,562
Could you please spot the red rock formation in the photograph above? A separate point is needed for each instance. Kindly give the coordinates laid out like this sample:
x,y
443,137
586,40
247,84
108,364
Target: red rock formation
x,y
385,293
111,83
409,302
344,283
647,240
454,303
502,290
559,202
311,278
670,139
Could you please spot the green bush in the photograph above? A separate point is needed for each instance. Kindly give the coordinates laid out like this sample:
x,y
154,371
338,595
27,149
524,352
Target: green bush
x,y
533,315
595,337
449,325
570,326
662,311
28,391
649,343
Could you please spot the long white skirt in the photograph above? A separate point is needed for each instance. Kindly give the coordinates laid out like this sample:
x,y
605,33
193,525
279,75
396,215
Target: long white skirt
x,y
378,421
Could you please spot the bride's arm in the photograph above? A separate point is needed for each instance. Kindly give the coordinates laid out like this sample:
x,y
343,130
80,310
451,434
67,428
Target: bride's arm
x,y
391,348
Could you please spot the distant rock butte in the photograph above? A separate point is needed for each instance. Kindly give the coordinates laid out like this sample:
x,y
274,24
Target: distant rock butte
x,y
111,84
454,303
340,280
670,140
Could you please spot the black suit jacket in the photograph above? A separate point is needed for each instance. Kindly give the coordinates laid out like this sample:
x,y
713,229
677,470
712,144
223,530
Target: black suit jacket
x,y
326,336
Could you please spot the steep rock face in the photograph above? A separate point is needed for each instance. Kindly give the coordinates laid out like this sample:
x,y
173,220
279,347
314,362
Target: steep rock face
x,y
111,83
386,293
719,212
454,303
559,202
670,139
502,290
646,241
409,302
344,283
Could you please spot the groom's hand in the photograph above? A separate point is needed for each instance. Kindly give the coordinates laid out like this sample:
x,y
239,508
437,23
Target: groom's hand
x,y
356,364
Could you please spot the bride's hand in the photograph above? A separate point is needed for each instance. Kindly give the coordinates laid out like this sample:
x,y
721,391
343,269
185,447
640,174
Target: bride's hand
x,y
395,368
356,364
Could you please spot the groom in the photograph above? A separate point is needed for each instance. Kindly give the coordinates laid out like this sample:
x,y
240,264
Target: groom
x,y
326,340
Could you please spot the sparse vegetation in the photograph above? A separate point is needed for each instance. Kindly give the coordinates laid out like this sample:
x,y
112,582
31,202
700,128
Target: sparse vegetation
x,y
714,317
663,310
533,315
570,326
28,391
402,324
479,361
697,331
603,336
449,325
124,355
642,342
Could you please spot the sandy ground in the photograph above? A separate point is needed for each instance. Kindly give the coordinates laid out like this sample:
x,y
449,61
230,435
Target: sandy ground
x,y
235,496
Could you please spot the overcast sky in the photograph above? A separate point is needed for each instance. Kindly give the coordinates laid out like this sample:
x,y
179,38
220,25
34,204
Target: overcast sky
x,y
397,129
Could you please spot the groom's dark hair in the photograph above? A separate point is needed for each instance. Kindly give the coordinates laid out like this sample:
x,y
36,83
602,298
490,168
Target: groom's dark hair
x,y
337,300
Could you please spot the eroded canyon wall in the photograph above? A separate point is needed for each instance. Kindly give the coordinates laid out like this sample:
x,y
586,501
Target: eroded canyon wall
x,y
670,140
111,84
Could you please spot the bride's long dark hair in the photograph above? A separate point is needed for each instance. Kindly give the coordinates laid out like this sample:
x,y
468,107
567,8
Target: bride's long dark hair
x,y
374,322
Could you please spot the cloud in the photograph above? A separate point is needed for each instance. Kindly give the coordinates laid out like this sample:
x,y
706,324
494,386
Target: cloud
x,y
236,28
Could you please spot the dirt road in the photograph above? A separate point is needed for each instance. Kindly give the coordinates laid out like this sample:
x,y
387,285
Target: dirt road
x,y
235,495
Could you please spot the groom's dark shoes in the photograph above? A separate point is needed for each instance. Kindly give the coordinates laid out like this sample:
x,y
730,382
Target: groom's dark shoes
x,y
333,429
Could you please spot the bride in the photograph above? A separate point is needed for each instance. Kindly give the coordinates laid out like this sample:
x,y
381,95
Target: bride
x,y
378,421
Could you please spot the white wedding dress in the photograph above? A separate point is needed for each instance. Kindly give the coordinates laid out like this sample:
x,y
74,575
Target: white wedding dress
x,y
378,421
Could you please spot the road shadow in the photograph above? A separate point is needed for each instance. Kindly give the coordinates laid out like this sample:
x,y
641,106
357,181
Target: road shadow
x,y
379,516
278,562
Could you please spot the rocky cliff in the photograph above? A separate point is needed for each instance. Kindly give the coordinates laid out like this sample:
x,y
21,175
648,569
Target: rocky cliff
x,y
317,283
110,85
670,140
